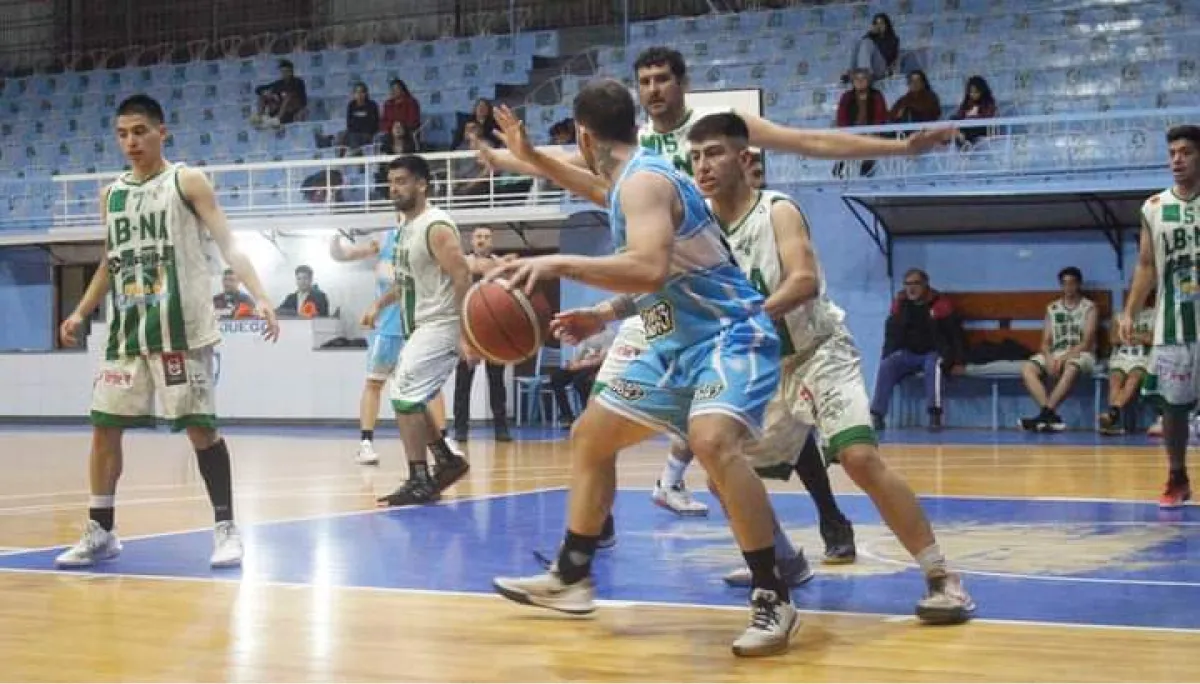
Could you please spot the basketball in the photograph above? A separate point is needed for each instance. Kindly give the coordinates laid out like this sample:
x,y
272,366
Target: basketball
x,y
504,326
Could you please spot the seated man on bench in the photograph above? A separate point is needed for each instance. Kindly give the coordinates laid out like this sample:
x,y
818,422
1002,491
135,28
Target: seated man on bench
x,y
1068,350
1126,369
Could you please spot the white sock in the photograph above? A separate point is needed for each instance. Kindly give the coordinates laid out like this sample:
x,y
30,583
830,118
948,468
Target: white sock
x,y
931,560
784,551
98,501
672,473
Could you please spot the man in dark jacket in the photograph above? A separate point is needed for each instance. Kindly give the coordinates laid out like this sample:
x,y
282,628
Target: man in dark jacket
x,y
308,300
923,334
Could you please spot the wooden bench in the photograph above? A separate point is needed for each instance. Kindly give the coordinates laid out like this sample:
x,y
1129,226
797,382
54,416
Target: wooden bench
x,y
990,317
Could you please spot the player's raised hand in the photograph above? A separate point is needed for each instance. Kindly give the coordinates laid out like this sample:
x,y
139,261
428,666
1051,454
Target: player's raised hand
x,y
68,331
927,139
271,329
523,274
576,325
1125,329
512,133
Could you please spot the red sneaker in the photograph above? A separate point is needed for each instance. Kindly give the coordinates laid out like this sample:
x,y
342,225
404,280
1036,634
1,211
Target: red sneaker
x,y
1175,495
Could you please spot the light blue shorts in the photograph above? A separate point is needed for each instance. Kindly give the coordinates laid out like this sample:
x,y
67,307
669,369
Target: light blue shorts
x,y
382,355
735,374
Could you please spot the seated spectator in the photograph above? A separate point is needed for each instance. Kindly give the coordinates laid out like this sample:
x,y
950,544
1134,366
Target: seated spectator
x,y
485,123
401,107
308,300
468,168
563,132
395,142
232,301
323,186
1127,367
362,124
922,334
580,372
282,101
877,52
861,105
1068,346
919,104
977,103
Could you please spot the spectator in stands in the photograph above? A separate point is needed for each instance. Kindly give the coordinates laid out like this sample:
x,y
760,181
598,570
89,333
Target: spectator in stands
x,y
401,107
1127,367
861,105
580,372
468,168
919,104
923,334
1068,346
362,121
232,301
397,141
563,132
282,101
482,117
977,103
308,300
323,186
877,52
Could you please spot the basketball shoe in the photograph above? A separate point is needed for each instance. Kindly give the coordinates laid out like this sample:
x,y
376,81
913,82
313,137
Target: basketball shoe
x,y
678,500
366,453
772,624
97,544
227,546
549,591
1177,492
946,601
416,491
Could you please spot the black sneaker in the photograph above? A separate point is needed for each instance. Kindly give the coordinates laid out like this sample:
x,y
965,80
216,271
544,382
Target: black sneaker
x,y
1036,423
1110,422
1053,422
449,471
839,543
935,419
414,492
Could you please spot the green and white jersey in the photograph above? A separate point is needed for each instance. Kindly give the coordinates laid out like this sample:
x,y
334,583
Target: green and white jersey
x,y
1142,325
674,144
1174,226
753,242
159,298
427,292
1067,323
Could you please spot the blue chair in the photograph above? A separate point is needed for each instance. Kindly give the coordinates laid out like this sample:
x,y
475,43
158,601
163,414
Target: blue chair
x,y
531,390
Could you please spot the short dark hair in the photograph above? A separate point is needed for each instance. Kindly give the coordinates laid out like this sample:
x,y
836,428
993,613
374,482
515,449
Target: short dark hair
x,y
606,108
287,64
227,272
412,163
725,125
659,55
305,269
360,84
144,105
917,271
1185,132
1070,271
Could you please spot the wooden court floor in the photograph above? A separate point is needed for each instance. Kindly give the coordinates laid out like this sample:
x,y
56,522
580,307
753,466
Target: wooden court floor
x,y
298,614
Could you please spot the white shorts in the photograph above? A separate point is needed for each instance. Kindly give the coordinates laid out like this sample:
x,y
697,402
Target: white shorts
x,y
826,391
124,390
628,344
426,362
382,355
1174,378
1123,363
1085,361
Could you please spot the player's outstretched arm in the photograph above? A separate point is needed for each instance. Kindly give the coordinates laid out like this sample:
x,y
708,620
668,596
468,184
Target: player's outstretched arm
x,y
1144,275
339,251
199,192
839,144
800,282
578,180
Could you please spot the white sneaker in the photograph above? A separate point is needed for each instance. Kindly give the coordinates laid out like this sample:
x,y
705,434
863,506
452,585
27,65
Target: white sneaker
x,y
227,546
366,453
548,591
96,544
678,500
455,448
772,623
946,601
795,571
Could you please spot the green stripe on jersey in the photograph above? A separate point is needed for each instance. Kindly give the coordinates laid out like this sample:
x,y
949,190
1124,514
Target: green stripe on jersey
x,y
1168,296
174,301
1187,309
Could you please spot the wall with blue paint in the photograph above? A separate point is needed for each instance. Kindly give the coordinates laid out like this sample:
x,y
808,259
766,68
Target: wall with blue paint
x,y
26,299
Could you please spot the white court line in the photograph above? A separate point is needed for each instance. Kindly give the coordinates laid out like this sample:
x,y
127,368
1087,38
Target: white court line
x,y
614,603
324,516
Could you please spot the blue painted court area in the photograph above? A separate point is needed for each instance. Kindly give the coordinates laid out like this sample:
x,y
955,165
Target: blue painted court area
x,y
1063,561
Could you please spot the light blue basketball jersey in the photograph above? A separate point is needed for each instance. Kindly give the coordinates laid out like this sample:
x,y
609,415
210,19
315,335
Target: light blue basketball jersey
x,y
388,320
705,292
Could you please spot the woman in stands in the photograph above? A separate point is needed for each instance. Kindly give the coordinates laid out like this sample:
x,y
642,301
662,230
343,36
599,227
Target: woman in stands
x,y
919,104
401,108
878,51
481,115
977,103
861,105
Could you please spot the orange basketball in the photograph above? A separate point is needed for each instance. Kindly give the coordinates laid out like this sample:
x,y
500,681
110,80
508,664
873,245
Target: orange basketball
x,y
504,325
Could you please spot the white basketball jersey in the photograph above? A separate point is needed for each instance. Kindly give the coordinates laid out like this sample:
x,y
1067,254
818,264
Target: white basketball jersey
x,y
159,298
1142,325
753,241
674,144
1174,228
1068,323
427,291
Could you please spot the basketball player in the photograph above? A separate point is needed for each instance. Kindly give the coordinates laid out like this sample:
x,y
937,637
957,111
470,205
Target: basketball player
x,y
1068,346
161,326
662,83
433,277
1169,261
710,369
1126,370
821,382
390,325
